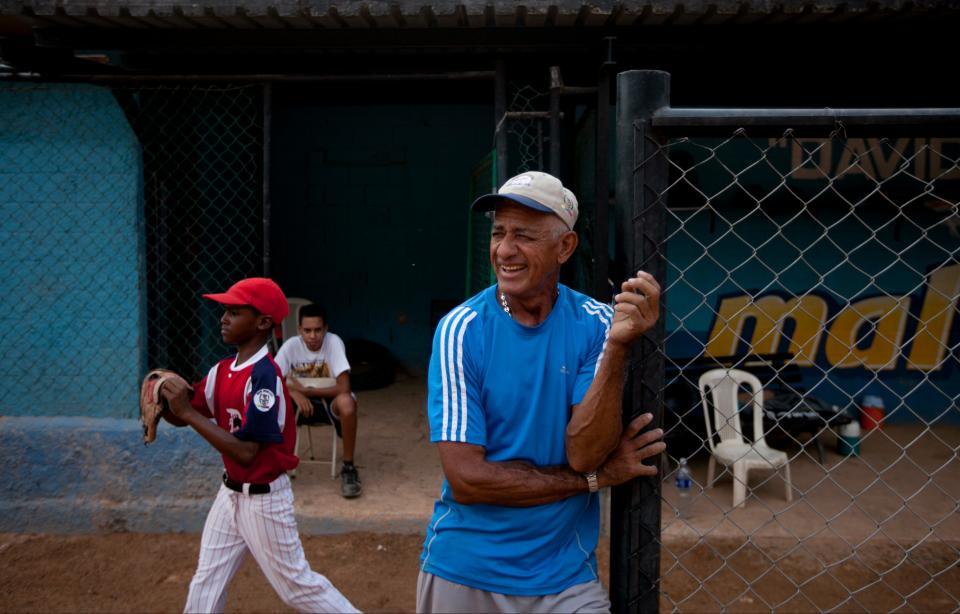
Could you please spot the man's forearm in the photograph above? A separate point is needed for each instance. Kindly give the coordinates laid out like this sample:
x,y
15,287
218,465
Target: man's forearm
x,y
475,480
517,484
596,424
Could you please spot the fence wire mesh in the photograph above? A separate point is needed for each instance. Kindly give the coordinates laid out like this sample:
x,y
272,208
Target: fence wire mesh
x,y
203,203
828,269
120,207
525,124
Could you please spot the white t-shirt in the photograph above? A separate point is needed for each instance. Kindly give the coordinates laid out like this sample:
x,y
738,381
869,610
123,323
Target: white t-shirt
x,y
329,361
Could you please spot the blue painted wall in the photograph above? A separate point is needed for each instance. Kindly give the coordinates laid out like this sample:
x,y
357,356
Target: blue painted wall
x,y
875,251
82,475
70,248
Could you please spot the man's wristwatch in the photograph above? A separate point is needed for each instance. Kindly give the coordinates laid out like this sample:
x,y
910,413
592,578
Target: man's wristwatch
x,y
592,482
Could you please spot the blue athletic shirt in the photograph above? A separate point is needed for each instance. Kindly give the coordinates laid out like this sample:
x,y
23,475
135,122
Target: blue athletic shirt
x,y
496,383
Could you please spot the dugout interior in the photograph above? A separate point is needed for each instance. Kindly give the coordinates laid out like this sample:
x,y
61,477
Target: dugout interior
x,y
383,163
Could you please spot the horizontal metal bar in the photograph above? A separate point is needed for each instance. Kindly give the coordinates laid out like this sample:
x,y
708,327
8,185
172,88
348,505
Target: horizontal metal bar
x,y
527,114
575,90
671,120
259,78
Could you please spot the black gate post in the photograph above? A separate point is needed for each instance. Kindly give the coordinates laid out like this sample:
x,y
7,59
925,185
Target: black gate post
x,y
641,179
267,144
601,253
500,117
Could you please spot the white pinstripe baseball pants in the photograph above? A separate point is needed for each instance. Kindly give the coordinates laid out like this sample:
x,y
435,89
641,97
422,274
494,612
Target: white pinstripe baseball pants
x,y
265,526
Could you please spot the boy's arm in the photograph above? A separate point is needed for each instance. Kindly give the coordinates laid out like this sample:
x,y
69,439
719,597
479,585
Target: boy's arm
x,y
339,368
177,394
171,419
293,384
342,386
197,400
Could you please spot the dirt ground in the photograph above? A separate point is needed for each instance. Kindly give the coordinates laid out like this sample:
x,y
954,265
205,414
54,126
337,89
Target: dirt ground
x,y
128,572
150,573
819,575
875,533
131,572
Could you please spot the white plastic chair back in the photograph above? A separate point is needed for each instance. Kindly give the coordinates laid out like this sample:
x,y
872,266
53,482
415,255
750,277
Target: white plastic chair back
x,y
722,386
291,323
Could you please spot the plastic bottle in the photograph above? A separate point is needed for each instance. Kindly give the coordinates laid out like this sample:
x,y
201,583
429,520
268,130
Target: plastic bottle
x,y
683,483
848,439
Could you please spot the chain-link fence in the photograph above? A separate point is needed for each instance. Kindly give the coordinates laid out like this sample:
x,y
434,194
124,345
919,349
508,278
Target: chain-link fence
x,y
480,275
523,124
827,266
526,119
203,202
120,207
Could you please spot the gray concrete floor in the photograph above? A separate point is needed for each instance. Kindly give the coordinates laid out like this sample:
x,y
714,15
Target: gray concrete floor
x,y
399,468
904,486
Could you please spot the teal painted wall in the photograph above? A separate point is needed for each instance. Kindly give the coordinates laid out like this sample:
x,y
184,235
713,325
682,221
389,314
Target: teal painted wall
x,y
370,213
71,250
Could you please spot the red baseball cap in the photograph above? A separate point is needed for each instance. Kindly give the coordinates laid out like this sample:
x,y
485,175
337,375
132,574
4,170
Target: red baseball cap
x,y
261,293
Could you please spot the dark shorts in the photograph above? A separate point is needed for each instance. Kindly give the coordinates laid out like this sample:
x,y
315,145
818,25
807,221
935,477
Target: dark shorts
x,y
322,414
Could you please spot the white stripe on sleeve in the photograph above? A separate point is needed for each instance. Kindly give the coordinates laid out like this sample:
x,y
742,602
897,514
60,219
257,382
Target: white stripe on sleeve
x,y
463,387
209,388
443,370
596,307
453,376
282,405
604,313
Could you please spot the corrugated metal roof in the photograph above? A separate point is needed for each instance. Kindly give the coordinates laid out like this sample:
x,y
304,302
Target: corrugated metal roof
x,y
395,14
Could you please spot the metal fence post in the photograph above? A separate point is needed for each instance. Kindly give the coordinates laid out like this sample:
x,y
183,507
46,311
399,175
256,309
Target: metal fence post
x,y
267,144
641,177
500,117
601,258
556,89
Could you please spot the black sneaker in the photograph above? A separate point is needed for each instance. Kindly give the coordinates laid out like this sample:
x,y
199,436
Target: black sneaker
x,y
350,482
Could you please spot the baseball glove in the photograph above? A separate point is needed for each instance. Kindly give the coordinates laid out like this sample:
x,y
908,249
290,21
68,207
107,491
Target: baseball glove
x,y
152,405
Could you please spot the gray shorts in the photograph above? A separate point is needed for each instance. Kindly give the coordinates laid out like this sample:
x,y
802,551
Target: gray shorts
x,y
434,594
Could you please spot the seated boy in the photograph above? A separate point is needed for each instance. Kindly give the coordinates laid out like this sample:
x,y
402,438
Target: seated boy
x,y
241,409
318,353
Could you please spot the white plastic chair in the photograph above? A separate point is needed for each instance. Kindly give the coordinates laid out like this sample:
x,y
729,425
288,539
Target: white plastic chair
x,y
290,324
333,447
721,387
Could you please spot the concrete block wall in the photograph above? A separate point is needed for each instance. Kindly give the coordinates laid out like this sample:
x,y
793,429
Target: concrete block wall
x,y
83,475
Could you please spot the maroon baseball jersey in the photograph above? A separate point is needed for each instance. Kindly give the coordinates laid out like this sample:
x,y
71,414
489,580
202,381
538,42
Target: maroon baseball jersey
x,y
250,400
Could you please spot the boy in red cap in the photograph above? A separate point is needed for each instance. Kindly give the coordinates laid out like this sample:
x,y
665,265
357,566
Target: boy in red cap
x,y
242,409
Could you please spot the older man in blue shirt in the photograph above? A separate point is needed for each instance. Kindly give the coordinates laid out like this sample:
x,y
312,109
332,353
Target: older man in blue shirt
x,y
524,401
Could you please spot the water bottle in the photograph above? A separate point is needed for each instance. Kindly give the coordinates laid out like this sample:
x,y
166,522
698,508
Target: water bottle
x,y
683,489
848,439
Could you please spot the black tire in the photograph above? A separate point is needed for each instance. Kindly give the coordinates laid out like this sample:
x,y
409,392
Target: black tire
x,y
372,366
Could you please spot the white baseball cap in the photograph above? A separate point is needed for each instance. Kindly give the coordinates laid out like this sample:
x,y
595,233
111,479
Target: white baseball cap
x,y
536,190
